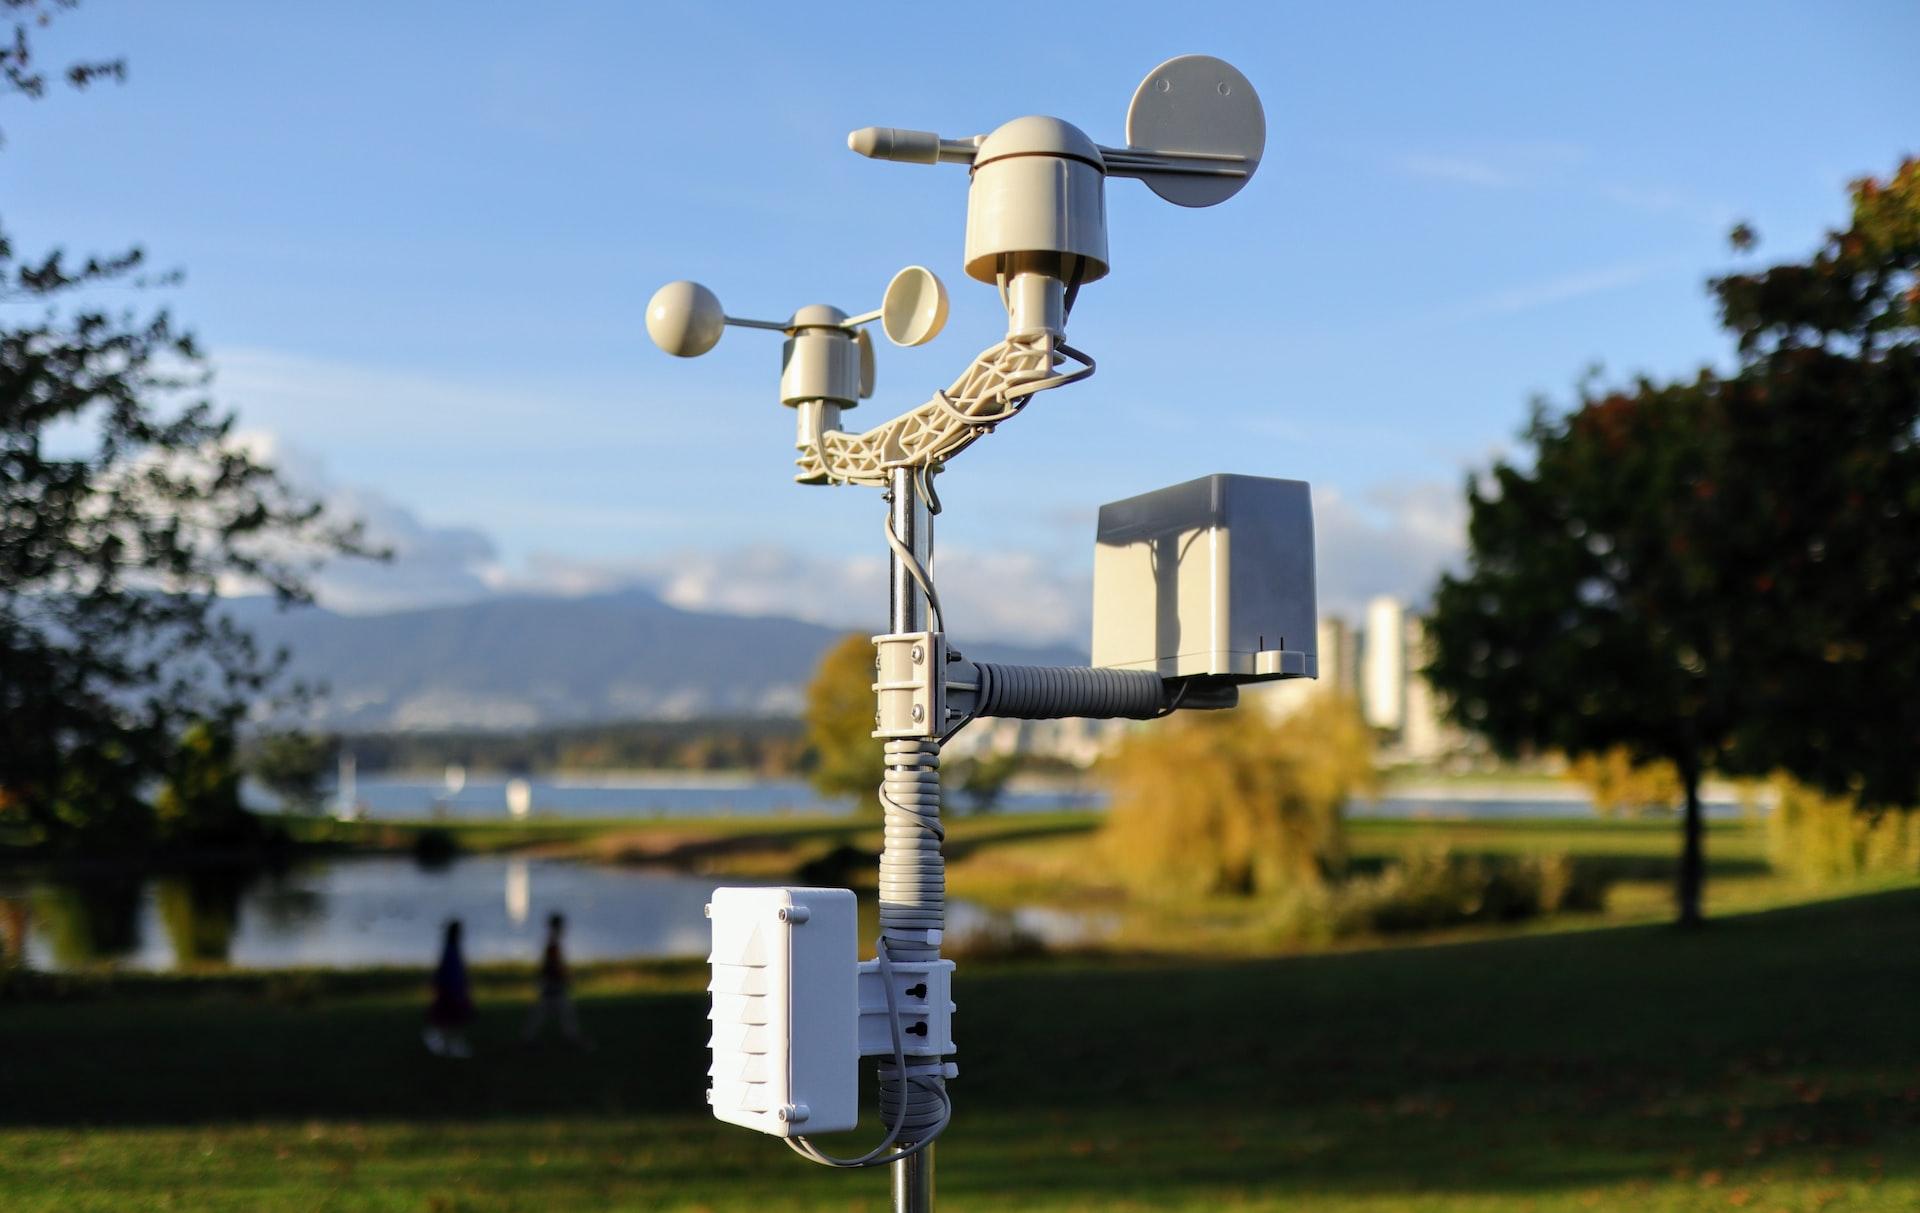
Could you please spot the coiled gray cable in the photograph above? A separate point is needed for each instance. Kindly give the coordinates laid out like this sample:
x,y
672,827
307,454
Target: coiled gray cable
x,y
1050,692
913,895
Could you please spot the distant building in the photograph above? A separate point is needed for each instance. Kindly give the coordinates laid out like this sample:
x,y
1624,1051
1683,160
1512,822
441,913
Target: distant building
x,y
1076,741
1377,667
1339,662
1426,735
1380,669
1339,657
1383,664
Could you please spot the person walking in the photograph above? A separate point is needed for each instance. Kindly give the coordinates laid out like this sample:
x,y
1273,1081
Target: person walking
x,y
452,1007
555,1000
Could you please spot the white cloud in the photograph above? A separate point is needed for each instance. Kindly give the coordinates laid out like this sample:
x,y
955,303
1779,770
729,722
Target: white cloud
x,y
1390,541
1013,596
1395,541
1546,164
1527,296
1461,170
431,565
1498,166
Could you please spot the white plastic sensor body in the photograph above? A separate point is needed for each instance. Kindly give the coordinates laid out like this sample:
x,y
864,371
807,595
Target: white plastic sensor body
x,y
1213,577
794,1010
785,1011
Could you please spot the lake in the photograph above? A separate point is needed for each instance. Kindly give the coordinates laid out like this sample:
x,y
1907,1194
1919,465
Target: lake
x,y
666,794
681,794
388,910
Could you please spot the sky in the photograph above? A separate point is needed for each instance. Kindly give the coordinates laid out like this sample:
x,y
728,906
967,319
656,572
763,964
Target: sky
x,y
418,242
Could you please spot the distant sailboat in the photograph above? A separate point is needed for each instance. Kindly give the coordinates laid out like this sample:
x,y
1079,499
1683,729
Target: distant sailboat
x,y
519,798
451,782
346,804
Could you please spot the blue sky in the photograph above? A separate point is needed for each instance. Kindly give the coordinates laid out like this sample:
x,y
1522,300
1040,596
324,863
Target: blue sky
x,y
419,240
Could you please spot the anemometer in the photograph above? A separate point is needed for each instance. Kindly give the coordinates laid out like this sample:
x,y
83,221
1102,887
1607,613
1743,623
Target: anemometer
x,y
1198,588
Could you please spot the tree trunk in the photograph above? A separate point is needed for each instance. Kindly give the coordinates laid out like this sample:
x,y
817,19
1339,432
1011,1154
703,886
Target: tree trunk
x,y
1693,866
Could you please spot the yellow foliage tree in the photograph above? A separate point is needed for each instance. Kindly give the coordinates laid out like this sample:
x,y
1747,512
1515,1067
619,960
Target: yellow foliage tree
x,y
1820,838
1622,787
1237,802
847,760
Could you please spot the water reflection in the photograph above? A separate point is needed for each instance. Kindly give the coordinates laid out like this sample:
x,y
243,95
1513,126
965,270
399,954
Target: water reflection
x,y
200,913
85,920
361,911
388,910
519,890
14,917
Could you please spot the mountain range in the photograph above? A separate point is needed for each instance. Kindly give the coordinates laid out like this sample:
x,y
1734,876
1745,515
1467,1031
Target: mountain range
x,y
517,662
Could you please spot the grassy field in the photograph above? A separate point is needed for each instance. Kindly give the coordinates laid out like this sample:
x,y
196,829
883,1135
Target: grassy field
x,y
1771,1062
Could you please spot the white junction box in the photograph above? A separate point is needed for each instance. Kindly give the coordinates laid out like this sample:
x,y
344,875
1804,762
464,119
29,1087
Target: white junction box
x,y
785,1010
1213,577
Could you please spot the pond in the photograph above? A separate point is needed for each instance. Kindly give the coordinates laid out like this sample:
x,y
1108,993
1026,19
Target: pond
x,y
681,794
389,910
640,794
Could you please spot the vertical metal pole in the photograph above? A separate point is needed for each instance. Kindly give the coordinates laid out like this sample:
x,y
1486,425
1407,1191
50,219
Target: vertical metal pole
x,y
912,524
913,1183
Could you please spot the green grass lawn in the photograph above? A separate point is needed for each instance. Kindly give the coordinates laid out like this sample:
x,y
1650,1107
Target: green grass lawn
x,y
1770,1062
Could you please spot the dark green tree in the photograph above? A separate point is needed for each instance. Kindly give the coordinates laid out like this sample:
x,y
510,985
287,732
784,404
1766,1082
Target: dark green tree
x,y
983,778
294,766
1724,572
113,546
199,799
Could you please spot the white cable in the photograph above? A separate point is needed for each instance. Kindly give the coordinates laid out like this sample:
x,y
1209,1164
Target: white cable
x,y
878,1156
917,571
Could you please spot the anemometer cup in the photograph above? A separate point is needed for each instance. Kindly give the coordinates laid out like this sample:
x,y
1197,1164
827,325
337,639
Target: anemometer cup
x,y
914,309
685,319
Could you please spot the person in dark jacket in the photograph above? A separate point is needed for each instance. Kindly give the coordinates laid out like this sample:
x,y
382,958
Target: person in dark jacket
x,y
452,1007
555,1001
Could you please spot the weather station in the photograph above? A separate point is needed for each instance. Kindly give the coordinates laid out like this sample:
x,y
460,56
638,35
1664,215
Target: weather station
x,y
1198,588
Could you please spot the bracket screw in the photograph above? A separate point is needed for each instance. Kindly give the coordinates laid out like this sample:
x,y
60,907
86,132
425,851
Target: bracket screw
x,y
918,654
919,713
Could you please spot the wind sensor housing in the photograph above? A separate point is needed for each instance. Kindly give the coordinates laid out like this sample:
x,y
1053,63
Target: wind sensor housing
x,y
1037,200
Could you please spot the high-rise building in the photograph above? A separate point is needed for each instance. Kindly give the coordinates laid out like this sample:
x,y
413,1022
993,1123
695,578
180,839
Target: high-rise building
x,y
1383,664
1339,657
1425,735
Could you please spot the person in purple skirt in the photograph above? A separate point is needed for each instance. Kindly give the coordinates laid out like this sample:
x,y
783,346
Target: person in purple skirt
x,y
452,1007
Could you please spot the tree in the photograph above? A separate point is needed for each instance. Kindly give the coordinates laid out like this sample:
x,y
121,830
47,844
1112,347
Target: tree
x,y
983,778
847,759
1235,802
200,798
1619,785
1830,395
1720,573
111,556
294,766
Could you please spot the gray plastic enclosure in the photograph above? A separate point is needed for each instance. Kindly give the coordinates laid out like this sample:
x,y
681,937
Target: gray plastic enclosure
x,y
1213,577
